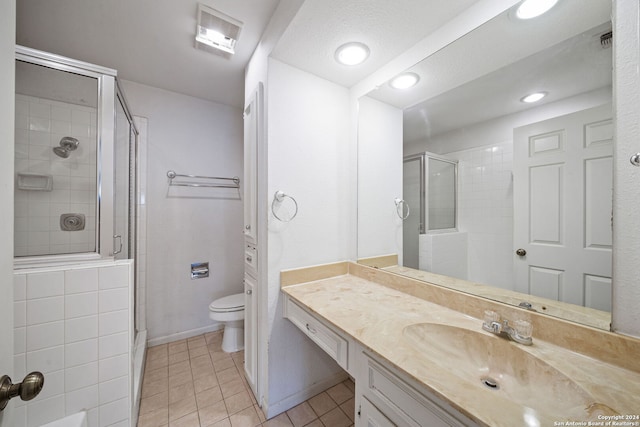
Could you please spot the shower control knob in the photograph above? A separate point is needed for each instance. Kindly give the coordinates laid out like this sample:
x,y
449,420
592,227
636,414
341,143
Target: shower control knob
x,y
29,388
249,292
248,227
521,252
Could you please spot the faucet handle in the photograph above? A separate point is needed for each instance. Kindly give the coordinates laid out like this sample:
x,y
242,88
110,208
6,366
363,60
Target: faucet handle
x,y
523,328
490,316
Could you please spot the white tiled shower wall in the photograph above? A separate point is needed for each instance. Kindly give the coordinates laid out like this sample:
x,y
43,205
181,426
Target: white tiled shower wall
x,y
74,324
40,124
485,211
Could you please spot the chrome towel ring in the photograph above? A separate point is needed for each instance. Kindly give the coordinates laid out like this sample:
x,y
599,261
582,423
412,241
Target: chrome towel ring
x,y
278,198
400,205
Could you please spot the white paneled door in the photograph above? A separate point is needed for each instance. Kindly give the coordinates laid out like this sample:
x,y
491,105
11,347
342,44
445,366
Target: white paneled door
x,y
563,189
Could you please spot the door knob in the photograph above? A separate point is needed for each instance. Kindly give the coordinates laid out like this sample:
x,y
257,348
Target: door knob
x,y
29,388
521,252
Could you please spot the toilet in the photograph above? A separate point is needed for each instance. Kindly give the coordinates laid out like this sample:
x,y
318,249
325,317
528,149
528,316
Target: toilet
x,y
230,311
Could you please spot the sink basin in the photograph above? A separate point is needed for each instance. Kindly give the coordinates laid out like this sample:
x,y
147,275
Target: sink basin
x,y
497,365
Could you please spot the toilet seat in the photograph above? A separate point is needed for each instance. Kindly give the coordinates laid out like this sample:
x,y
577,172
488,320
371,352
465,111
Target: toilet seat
x,y
228,304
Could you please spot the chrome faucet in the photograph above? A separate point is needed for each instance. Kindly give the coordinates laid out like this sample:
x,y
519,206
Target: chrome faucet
x,y
521,333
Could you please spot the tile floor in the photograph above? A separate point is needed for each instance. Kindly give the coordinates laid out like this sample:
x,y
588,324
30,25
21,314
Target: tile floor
x,y
208,389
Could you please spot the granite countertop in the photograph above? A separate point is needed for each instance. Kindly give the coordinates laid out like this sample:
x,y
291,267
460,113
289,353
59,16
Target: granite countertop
x,y
568,386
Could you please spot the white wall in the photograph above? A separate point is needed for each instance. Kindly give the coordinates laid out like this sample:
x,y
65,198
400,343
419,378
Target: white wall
x,y
379,149
485,211
308,125
626,227
7,123
74,324
186,225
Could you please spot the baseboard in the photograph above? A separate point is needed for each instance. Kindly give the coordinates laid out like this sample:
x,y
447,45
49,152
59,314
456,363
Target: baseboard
x,y
186,334
277,408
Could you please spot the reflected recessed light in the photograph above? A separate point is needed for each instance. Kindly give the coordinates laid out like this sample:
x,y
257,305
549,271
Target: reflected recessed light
x,y
531,8
534,97
353,53
404,81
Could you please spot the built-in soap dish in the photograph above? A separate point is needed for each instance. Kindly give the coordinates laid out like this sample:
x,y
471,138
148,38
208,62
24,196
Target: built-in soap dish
x,y
72,222
35,182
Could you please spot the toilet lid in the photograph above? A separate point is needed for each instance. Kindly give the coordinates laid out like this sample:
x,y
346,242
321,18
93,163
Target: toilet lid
x,y
229,303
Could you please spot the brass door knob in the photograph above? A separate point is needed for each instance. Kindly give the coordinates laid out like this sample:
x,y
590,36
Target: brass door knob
x,y
29,388
521,252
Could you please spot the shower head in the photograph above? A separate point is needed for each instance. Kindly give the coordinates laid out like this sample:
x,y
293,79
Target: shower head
x,y
67,145
61,152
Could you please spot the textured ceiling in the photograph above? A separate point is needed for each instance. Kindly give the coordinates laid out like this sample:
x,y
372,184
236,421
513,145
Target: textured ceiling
x,y
484,74
387,27
147,41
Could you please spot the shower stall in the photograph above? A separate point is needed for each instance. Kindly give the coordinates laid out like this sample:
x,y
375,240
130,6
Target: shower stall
x,y
430,190
76,217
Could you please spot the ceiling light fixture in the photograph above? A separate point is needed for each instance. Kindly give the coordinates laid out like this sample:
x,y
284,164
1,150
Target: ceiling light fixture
x,y
216,32
531,8
353,53
404,81
533,97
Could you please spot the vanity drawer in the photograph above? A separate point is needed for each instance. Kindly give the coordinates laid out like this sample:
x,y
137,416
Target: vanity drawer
x,y
402,404
328,340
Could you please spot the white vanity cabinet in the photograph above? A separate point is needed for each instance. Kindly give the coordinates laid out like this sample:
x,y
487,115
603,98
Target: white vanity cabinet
x,y
334,344
385,397
370,416
401,401
253,276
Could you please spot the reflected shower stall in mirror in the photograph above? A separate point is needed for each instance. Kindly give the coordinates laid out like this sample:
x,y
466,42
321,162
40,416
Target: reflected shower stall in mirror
x,y
429,188
534,185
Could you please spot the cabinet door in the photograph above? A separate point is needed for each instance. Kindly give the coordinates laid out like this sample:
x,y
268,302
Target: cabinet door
x,y
252,129
250,333
370,416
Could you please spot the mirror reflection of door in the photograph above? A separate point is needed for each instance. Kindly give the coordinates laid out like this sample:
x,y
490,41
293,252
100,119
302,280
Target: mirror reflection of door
x,y
563,193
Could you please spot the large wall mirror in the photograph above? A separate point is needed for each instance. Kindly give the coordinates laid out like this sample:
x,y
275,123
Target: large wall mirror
x,y
463,183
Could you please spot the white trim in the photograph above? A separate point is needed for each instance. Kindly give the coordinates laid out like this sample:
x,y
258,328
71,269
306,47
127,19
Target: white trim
x,y
301,396
139,357
186,334
34,53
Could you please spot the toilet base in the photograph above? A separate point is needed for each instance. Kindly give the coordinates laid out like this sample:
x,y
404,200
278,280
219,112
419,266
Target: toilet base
x,y
233,337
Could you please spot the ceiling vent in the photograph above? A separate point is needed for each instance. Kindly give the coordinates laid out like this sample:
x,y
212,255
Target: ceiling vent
x,y
216,32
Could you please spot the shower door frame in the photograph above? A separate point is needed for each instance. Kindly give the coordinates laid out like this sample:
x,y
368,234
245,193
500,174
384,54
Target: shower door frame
x,y
424,189
105,134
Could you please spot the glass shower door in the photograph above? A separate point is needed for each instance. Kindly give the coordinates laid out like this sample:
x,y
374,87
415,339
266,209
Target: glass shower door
x,y
124,186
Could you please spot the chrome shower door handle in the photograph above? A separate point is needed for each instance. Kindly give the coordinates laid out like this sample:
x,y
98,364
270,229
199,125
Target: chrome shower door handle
x,y
118,236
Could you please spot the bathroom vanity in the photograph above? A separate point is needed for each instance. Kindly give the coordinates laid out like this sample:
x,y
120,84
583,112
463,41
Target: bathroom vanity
x,y
420,357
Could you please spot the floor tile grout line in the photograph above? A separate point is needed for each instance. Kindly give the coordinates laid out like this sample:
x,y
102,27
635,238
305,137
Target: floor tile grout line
x,y
237,359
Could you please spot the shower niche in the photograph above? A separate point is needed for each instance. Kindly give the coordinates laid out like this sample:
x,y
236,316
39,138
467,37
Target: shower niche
x,y
75,144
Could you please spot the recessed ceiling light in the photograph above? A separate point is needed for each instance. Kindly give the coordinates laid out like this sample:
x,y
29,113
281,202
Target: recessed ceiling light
x,y
353,53
404,81
531,8
534,97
